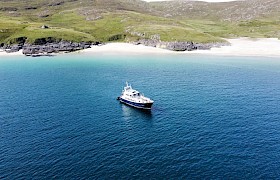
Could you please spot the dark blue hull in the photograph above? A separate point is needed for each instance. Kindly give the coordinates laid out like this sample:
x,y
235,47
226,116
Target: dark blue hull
x,y
136,105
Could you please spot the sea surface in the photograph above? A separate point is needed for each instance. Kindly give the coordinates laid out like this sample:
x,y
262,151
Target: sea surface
x,y
214,117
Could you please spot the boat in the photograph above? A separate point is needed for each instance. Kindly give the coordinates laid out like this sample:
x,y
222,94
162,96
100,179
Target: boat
x,y
134,98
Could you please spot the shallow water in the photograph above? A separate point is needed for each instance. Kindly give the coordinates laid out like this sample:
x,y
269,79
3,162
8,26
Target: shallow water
x,y
213,117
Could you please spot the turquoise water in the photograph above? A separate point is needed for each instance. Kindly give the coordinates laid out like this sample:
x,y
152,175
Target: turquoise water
x,y
213,117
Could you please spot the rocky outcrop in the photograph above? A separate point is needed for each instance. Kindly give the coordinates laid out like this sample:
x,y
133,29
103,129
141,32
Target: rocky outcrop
x,y
20,41
12,48
16,45
49,45
149,42
44,46
43,41
48,48
180,46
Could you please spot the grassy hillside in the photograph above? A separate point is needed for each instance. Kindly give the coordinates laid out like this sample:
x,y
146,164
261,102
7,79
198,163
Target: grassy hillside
x,y
250,18
130,20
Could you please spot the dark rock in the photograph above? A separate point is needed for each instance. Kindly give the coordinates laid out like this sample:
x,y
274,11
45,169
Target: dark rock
x,y
13,48
96,43
20,40
56,3
52,46
45,46
44,27
6,46
30,8
180,46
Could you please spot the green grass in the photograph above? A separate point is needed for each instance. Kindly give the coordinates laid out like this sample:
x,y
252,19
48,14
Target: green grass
x,y
176,33
255,28
33,31
9,27
69,25
118,19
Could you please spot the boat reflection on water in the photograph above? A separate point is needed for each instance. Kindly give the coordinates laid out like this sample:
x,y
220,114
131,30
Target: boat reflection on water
x,y
130,112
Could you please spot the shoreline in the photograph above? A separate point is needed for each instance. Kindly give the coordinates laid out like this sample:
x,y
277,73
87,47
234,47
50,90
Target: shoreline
x,y
266,47
262,47
5,54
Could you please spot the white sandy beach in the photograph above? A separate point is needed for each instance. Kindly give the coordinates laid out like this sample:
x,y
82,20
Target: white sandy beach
x,y
239,47
4,54
124,48
268,47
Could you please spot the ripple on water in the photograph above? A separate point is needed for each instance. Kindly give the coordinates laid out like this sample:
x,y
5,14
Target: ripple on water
x,y
212,118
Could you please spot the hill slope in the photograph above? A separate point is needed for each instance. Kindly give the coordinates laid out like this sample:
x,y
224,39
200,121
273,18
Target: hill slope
x,y
131,20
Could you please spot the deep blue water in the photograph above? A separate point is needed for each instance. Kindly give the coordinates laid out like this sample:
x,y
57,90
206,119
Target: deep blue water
x,y
213,117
